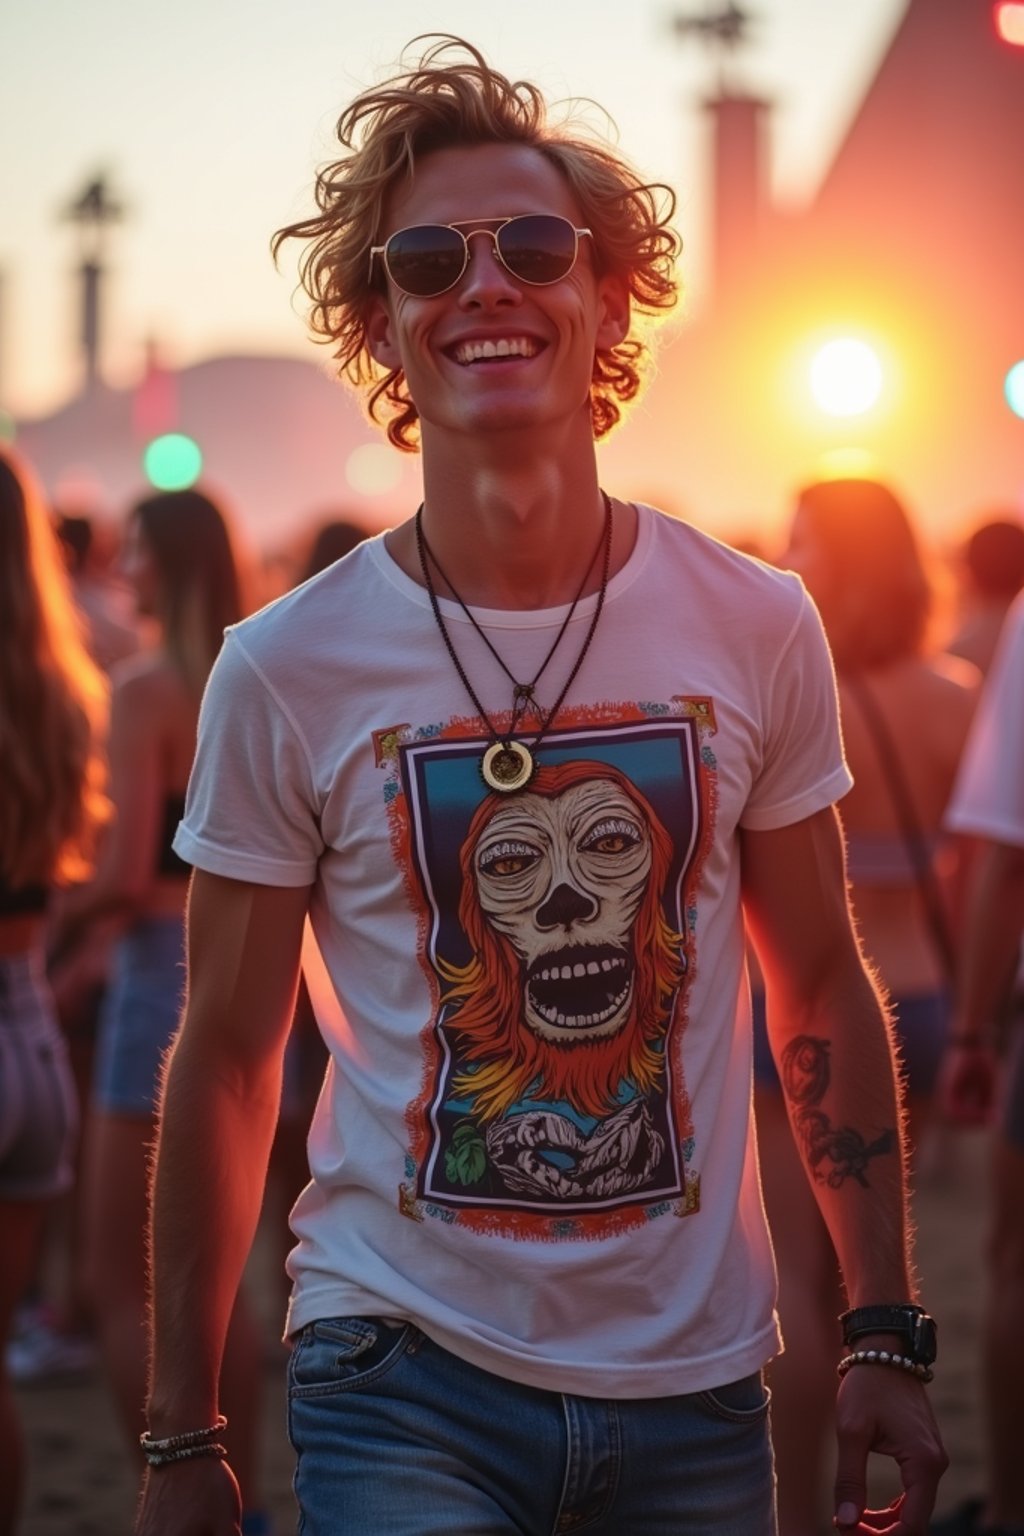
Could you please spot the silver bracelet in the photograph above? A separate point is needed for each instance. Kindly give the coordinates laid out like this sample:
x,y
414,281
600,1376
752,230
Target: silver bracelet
x,y
885,1357
184,1441
184,1453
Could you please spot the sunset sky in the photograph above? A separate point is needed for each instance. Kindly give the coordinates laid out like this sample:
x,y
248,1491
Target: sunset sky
x,y
209,118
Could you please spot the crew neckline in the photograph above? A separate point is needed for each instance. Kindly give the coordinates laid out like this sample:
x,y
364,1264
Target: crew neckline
x,y
520,618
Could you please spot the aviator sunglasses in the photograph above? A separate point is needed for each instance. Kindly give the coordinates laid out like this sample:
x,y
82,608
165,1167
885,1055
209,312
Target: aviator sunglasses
x,y
427,259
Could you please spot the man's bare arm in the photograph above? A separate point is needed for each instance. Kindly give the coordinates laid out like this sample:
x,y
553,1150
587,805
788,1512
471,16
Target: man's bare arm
x,y
830,1037
218,1114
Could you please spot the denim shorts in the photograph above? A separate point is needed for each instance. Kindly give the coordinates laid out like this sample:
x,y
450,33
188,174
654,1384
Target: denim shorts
x,y
38,1107
140,1015
921,1023
395,1436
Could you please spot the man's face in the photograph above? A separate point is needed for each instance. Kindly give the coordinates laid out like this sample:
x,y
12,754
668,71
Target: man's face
x,y
554,330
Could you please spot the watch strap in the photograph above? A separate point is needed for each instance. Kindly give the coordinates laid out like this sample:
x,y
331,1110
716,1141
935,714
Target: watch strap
x,y
911,1322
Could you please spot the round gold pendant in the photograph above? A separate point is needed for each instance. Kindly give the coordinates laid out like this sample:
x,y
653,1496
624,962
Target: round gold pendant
x,y
507,766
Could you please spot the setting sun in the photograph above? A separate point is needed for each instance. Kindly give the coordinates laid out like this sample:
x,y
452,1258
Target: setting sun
x,y
846,377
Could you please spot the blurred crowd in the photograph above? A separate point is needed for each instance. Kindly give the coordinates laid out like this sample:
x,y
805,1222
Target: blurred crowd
x,y
107,635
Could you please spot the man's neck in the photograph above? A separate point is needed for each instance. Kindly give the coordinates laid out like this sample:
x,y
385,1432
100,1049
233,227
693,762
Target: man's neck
x,y
513,534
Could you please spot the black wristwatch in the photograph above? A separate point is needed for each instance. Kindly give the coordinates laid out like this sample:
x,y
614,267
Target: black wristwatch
x,y
912,1323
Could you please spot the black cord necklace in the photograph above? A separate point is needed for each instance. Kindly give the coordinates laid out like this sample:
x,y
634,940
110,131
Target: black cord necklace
x,y
509,764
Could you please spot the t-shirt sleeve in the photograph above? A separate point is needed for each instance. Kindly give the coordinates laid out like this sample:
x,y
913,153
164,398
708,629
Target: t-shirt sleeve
x,y
802,768
988,800
251,811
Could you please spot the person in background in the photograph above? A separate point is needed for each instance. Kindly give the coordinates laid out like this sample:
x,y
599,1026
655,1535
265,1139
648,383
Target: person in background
x,y
905,710
52,804
523,761
991,570
334,538
112,630
179,560
983,1073
53,1335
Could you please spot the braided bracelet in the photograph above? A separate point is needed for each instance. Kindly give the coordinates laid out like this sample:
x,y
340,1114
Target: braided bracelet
x,y
885,1357
184,1453
185,1441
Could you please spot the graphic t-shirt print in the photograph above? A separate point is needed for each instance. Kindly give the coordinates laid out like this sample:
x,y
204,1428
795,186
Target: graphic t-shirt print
x,y
558,935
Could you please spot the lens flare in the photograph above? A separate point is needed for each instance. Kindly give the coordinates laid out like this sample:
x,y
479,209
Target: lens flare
x,y
846,377
1010,23
373,470
1015,388
172,462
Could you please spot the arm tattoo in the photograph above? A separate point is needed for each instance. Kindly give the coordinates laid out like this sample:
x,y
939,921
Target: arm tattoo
x,y
833,1155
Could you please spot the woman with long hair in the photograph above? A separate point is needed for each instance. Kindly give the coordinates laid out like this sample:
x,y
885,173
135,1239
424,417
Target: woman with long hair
x,y
905,708
178,559
52,803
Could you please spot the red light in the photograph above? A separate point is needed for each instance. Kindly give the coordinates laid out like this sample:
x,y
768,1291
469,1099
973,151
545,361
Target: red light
x,y
1010,22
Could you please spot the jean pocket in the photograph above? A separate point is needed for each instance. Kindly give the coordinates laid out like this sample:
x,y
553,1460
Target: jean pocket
x,y
740,1402
343,1353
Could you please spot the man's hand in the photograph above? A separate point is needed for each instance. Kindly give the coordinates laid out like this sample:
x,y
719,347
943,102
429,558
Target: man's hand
x,y
199,1497
882,1410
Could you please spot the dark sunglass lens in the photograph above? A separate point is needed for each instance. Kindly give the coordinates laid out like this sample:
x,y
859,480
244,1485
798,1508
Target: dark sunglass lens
x,y
425,260
539,248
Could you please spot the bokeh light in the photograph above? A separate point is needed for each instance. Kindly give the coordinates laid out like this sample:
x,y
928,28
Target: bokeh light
x,y
373,470
1010,22
1015,388
846,377
172,462
8,431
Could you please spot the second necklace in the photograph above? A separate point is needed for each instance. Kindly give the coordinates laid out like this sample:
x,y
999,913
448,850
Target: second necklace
x,y
508,763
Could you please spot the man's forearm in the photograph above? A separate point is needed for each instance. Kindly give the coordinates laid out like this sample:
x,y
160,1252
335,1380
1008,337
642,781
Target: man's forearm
x,y
214,1145
836,1067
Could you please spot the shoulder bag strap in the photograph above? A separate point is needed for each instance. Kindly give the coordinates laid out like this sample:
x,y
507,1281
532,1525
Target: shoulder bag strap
x,y
910,825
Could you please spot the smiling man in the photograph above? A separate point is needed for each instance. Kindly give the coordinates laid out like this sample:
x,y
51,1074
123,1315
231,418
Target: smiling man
x,y
527,762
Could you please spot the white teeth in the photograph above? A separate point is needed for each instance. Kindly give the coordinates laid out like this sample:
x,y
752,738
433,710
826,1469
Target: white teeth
x,y
505,346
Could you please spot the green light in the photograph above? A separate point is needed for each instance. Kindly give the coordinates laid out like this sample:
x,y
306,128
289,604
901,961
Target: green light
x,y
8,431
1015,388
172,462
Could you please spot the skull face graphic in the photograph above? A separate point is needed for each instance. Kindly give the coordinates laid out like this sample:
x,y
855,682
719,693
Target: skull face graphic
x,y
562,878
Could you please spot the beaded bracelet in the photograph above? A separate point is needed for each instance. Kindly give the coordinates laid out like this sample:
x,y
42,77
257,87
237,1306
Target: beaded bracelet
x,y
185,1453
885,1357
189,1439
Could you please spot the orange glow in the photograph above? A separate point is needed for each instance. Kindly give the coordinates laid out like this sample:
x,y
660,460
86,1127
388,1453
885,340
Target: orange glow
x,y
1010,23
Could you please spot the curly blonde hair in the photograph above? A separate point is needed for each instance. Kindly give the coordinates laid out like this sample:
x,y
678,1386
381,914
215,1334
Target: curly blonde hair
x,y
52,702
446,102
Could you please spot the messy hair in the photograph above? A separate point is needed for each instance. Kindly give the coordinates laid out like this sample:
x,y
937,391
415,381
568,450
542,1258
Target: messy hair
x,y
879,599
200,594
445,102
53,701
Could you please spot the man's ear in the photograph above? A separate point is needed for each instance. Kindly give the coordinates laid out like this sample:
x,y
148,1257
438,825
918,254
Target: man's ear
x,y
380,332
613,312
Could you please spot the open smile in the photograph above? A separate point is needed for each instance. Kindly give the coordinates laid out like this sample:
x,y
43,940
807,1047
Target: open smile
x,y
496,349
580,988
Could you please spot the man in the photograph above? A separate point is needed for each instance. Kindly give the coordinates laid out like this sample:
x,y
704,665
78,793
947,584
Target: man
x,y
989,805
514,759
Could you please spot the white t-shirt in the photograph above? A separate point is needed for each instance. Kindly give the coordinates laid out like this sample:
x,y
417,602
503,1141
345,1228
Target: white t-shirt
x,y
988,800
535,1138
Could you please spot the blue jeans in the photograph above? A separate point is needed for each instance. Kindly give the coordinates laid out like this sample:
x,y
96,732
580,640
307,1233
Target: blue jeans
x,y
395,1436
